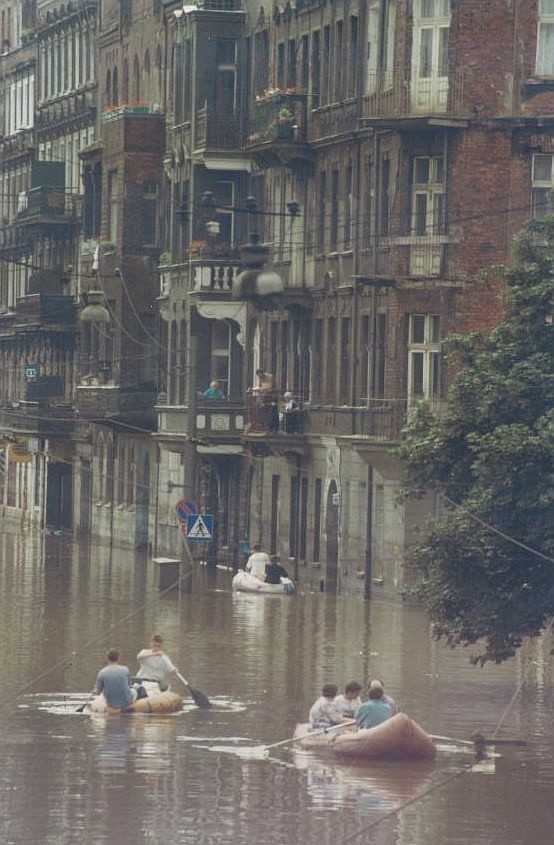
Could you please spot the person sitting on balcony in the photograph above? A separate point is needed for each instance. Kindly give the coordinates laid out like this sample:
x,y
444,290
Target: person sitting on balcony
x,y
289,411
214,391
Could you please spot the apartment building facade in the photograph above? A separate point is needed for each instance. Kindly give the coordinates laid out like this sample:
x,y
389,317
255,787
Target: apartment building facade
x,y
374,156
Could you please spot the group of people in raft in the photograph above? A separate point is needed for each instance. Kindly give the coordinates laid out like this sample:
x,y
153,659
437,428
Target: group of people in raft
x,y
332,709
115,681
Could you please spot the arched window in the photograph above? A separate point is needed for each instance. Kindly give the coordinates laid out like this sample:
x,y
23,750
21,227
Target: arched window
x,y
136,81
115,85
146,86
108,88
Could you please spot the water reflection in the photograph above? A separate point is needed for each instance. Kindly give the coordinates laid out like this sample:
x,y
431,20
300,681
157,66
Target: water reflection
x,y
262,660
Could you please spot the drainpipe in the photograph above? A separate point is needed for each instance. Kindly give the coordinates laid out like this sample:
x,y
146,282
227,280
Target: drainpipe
x,y
369,529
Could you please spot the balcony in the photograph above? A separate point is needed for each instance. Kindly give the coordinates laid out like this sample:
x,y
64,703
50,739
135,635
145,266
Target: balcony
x,y
110,402
213,276
14,241
334,119
278,127
216,132
394,97
409,256
271,430
38,418
50,206
46,309
218,425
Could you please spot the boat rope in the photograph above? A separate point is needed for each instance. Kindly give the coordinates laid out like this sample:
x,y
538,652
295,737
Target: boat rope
x,y
67,661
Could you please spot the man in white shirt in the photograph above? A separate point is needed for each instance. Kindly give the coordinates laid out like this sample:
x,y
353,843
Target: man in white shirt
x,y
154,664
257,562
347,705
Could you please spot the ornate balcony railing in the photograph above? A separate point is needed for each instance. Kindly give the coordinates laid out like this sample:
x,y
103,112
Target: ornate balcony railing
x,y
213,275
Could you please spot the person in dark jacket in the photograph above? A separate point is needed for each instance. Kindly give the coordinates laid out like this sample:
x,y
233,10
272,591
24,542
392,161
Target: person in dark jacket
x,y
274,571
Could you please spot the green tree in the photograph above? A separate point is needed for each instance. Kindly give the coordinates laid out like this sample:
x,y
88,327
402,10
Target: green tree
x,y
491,455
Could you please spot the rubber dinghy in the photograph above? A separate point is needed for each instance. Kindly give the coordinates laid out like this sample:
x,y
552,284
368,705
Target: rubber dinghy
x,y
156,702
244,582
397,738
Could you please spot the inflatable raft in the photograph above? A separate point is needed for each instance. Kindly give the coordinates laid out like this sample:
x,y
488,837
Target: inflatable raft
x,y
156,702
399,737
244,582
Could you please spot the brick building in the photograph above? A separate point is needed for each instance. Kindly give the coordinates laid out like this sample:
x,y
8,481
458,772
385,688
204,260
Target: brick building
x,y
393,148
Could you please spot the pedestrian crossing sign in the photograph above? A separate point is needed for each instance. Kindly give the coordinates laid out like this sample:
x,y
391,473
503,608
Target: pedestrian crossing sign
x,y
200,527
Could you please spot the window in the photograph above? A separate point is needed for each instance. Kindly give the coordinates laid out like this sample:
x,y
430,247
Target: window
x,y
384,210
316,68
282,380
331,361
149,212
303,517
291,63
112,206
424,378
338,75
261,58
542,185
226,76
304,62
352,60
545,39
326,61
281,65
428,196
334,211
221,340
348,221
345,363
275,479
317,520
322,198
293,515
316,359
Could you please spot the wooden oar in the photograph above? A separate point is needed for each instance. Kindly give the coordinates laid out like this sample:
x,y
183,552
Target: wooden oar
x,y
81,709
199,698
313,733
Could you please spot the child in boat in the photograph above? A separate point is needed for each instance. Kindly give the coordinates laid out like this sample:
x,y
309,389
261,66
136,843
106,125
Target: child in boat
x,y
375,710
323,713
347,705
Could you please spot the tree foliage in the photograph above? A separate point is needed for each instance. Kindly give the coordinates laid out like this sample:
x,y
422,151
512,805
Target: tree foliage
x,y
491,455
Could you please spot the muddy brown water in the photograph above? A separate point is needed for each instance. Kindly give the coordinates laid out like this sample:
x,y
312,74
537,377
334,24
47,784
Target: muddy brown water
x,y
70,778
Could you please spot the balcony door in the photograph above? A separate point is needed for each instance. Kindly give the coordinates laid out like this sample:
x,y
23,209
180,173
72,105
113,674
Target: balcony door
x,y
430,56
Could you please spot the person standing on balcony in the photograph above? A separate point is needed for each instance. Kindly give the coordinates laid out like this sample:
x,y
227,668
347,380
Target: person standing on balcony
x,y
289,412
214,391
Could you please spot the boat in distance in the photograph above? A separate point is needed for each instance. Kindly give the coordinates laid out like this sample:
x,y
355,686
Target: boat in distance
x,y
244,582
397,738
156,702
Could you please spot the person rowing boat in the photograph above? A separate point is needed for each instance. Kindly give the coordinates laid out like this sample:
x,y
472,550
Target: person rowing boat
x,y
155,665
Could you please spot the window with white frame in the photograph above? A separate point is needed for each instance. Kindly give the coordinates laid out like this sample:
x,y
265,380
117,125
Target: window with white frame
x,y
545,39
542,190
424,379
428,204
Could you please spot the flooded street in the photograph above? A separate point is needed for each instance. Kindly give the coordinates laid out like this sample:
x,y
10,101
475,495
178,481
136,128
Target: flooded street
x,y
188,778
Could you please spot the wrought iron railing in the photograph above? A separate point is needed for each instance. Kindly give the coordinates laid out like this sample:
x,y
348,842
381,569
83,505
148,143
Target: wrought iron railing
x,y
393,94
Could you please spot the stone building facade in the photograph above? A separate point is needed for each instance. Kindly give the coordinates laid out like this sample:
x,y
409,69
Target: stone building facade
x,y
376,155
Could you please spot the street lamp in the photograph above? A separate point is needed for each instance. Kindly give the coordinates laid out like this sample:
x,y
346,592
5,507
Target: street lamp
x,y
95,311
254,282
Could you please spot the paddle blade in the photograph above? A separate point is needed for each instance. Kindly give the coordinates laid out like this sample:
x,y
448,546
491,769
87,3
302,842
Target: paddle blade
x,y
200,699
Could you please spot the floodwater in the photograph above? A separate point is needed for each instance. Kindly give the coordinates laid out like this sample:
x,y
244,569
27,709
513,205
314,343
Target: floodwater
x,y
195,777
